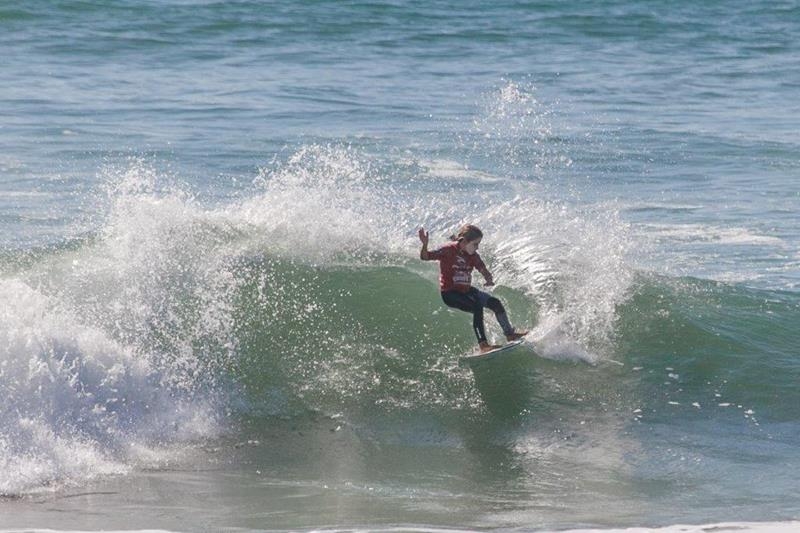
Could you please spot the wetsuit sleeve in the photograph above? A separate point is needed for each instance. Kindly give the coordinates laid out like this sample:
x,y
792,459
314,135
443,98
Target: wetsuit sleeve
x,y
436,255
480,266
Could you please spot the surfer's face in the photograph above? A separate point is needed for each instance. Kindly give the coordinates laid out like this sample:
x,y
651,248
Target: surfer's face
x,y
471,246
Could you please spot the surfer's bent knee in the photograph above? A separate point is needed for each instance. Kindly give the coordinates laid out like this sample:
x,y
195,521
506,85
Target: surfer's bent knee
x,y
495,305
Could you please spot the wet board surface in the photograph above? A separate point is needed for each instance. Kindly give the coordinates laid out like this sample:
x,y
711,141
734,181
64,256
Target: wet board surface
x,y
497,353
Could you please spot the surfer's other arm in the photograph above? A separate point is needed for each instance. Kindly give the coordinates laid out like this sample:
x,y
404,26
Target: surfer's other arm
x,y
487,276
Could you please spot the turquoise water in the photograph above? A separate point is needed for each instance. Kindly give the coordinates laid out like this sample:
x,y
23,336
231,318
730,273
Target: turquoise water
x,y
213,313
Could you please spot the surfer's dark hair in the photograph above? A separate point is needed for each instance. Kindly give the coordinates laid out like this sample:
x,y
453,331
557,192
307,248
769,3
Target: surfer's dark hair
x,y
467,233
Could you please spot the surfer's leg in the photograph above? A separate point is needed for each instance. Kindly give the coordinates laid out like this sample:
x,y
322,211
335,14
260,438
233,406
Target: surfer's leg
x,y
502,317
487,300
469,303
477,324
458,300
474,296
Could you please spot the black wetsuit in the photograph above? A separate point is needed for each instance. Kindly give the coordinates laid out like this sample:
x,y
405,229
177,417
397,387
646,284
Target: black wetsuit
x,y
473,301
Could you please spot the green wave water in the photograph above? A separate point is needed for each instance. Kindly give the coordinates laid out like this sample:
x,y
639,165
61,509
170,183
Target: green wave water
x,y
221,315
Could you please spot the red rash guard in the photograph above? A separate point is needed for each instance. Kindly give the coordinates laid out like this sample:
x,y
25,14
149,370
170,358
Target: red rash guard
x,y
455,267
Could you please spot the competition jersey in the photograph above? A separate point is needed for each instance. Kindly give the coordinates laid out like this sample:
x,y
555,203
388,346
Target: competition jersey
x,y
455,267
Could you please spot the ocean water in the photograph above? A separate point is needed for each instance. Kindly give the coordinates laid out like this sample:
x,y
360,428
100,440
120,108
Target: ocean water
x,y
212,312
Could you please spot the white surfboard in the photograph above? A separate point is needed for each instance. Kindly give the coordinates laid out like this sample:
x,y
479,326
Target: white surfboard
x,y
505,349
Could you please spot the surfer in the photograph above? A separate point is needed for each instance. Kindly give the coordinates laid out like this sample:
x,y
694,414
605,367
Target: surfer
x,y
457,259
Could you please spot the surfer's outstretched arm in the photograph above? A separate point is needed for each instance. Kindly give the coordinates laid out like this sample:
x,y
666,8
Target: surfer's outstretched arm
x,y
423,253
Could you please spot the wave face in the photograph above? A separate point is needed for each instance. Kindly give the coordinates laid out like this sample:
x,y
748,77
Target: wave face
x,y
717,345
306,294
176,319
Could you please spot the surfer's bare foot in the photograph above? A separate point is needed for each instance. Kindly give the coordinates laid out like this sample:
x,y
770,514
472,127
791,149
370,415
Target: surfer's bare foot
x,y
486,347
516,335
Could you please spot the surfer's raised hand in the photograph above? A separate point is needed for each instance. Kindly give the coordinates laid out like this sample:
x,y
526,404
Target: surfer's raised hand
x,y
423,253
423,236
